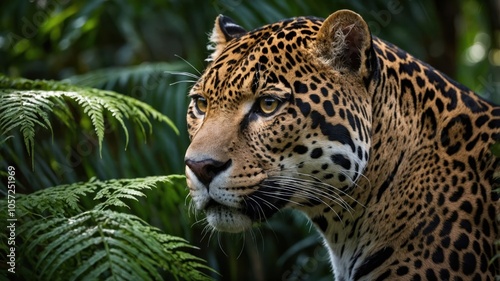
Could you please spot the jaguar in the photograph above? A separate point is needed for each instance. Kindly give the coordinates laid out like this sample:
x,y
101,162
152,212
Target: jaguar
x,y
388,157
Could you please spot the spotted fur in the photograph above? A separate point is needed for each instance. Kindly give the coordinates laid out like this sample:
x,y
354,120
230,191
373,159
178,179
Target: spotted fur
x,y
387,156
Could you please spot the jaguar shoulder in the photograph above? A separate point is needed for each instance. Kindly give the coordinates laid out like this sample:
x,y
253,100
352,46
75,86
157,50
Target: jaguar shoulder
x,y
387,156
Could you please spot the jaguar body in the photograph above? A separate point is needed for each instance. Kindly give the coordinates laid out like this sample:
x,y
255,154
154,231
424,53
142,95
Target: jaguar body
x,y
387,156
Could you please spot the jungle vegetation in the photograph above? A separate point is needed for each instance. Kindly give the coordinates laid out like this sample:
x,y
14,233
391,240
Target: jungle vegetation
x,y
93,96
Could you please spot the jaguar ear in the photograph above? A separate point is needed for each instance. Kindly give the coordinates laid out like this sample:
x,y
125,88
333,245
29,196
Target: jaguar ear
x,y
344,42
225,29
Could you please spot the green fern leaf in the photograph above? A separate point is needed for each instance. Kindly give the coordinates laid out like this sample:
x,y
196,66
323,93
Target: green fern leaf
x,y
25,110
145,265
100,244
116,190
38,227
52,259
63,200
120,270
90,263
26,104
121,259
59,201
92,106
103,243
143,256
97,272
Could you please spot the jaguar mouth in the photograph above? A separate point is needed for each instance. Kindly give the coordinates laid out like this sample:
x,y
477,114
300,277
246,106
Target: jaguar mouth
x,y
266,201
256,211
257,207
227,219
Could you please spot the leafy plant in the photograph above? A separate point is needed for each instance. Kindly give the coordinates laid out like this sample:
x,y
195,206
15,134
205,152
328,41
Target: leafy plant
x,y
27,103
83,231
62,241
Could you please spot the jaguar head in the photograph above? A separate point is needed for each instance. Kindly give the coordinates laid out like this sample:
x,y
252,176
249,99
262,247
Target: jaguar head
x,y
280,118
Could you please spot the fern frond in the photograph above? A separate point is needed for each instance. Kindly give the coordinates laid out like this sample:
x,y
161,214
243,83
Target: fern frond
x,y
26,111
99,244
26,104
63,200
103,243
116,190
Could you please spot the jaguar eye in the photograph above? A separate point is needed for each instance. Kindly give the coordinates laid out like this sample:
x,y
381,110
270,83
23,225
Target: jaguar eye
x,y
268,105
201,104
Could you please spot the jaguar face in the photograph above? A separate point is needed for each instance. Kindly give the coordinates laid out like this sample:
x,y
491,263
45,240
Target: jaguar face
x,y
279,120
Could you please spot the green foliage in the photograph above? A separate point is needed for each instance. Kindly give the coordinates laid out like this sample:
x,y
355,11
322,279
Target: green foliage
x,y
82,231
130,46
27,103
65,242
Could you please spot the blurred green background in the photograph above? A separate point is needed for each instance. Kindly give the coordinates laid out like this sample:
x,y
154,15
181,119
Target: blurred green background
x,y
133,47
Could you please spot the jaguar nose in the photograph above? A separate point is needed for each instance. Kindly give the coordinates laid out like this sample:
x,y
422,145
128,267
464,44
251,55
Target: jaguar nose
x,y
206,170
